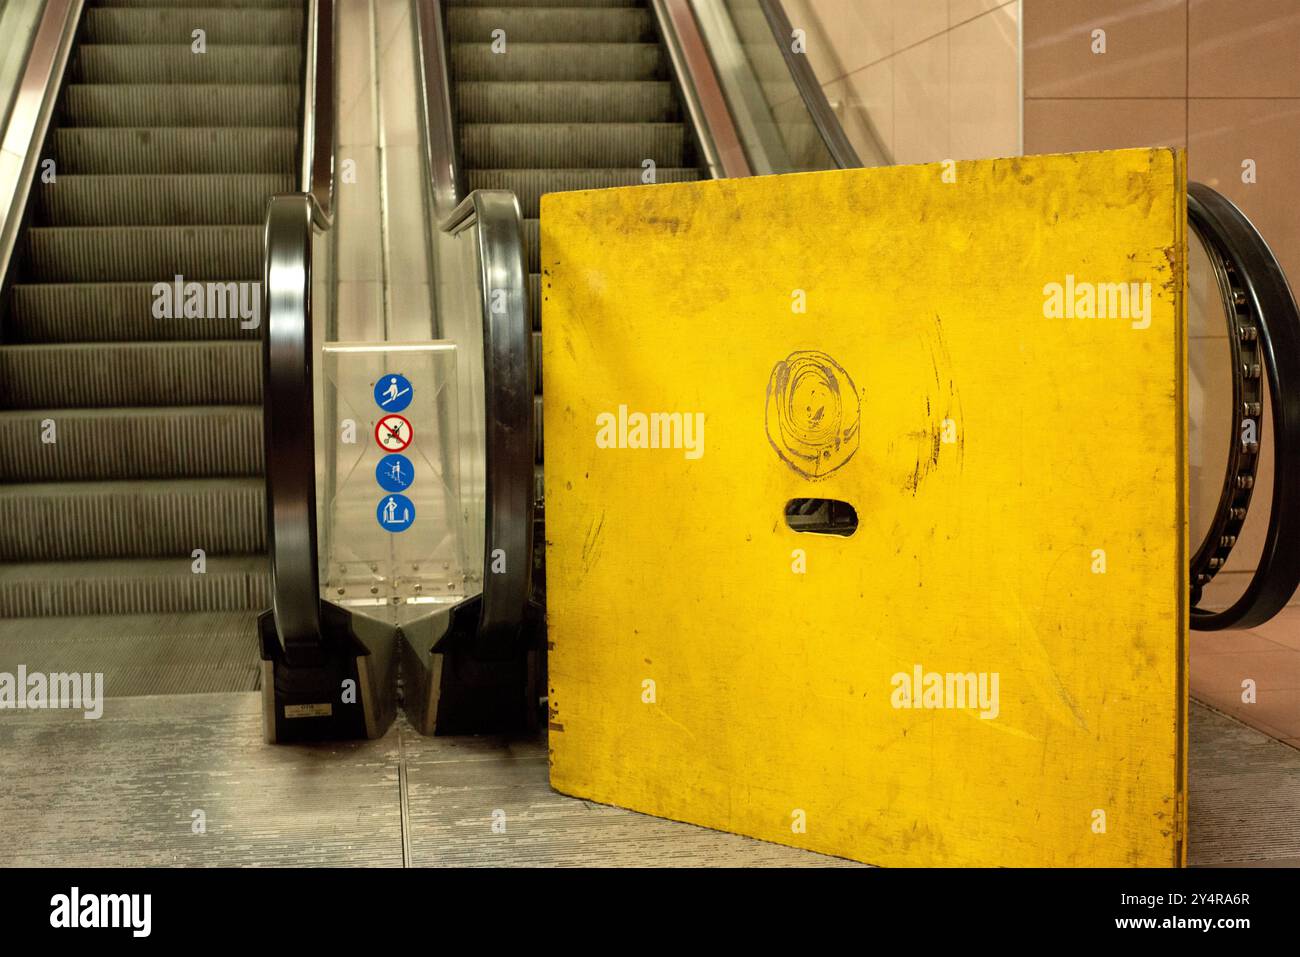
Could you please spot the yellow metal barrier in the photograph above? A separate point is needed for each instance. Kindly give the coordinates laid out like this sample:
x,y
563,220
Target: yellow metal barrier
x,y
986,361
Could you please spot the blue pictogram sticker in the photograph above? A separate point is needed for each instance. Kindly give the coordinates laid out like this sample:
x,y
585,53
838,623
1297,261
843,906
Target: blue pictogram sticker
x,y
394,473
395,513
393,392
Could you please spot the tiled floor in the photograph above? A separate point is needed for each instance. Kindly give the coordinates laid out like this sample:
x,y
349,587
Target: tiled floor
x,y
1269,656
187,780
134,790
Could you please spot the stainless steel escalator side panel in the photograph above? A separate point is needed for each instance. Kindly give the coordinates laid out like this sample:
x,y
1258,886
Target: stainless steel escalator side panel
x,y
442,151
317,146
30,116
710,118
751,114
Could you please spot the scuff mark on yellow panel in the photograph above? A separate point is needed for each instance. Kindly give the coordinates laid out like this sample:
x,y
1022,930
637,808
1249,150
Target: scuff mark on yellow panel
x,y
1016,466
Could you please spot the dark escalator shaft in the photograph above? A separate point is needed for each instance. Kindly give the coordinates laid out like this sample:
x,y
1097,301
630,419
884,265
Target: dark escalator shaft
x,y
579,97
165,158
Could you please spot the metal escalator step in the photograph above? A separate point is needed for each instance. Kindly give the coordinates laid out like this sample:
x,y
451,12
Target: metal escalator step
x,y
140,586
176,150
180,104
113,374
142,253
569,145
558,24
560,61
530,184
126,443
535,300
163,654
132,519
166,24
612,101
104,312
158,200
174,63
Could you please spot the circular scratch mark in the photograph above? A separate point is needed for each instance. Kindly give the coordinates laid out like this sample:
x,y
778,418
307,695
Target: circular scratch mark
x,y
812,413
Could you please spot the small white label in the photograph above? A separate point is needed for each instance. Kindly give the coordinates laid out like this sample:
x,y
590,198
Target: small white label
x,y
308,710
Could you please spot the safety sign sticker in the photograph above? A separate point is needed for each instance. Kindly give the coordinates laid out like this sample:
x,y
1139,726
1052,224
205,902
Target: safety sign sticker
x,y
393,392
393,433
394,473
395,513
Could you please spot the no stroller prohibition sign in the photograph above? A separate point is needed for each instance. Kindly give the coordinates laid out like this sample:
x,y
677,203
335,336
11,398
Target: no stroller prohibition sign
x,y
393,433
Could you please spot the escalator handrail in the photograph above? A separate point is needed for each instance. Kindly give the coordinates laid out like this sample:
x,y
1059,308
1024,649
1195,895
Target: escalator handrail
x,y
288,423
711,120
1263,291
810,91
442,150
29,118
316,147
508,390
288,352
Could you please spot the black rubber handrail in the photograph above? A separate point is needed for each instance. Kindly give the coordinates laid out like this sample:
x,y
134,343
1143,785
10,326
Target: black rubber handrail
x,y
288,425
501,282
1265,320
810,91
288,415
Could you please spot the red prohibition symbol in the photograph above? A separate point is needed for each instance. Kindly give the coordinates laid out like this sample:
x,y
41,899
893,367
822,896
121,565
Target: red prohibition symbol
x,y
393,433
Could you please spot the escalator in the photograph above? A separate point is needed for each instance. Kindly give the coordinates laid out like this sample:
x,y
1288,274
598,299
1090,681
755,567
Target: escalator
x,y
135,518
549,98
132,528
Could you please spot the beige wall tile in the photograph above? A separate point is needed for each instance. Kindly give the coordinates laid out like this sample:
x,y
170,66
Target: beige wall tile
x,y
921,130
984,104
1063,126
1223,133
959,11
917,20
864,103
1244,48
849,34
1146,48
